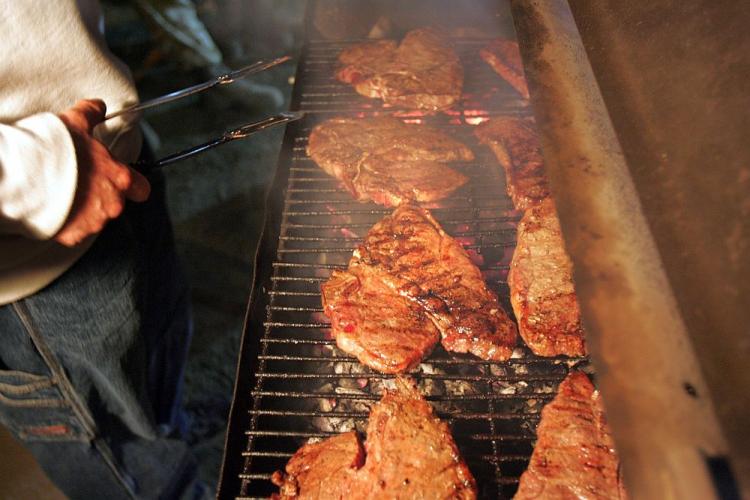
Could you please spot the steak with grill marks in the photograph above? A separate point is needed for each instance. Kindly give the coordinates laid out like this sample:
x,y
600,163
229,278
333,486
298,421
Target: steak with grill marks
x,y
423,72
574,456
516,146
372,322
410,453
504,57
541,286
384,160
418,260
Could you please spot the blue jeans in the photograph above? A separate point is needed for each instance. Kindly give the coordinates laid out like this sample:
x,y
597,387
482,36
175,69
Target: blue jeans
x,y
91,366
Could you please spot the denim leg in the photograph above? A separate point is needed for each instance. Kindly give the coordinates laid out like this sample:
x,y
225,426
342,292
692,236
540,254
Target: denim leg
x,y
91,366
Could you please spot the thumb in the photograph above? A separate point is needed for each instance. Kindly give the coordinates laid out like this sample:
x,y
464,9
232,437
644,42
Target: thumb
x,y
139,188
92,111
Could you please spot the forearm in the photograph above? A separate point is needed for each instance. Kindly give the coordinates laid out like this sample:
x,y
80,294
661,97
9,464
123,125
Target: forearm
x,y
38,176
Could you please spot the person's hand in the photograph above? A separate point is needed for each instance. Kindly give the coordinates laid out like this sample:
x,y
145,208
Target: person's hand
x,y
103,182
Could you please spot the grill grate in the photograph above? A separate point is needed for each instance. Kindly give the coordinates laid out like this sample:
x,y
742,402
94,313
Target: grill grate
x,y
294,384
484,91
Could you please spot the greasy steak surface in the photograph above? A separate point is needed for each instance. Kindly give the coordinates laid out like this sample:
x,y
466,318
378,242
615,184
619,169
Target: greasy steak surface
x,y
574,456
504,57
418,260
423,72
384,160
516,146
410,453
325,469
541,286
371,321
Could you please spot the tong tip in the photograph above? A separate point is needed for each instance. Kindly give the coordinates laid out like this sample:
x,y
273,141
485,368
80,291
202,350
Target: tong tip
x,y
292,115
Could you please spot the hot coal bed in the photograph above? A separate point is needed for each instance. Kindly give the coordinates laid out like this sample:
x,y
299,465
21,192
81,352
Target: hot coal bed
x,y
293,384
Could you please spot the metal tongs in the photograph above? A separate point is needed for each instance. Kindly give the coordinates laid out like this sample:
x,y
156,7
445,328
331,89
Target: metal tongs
x,y
228,136
219,80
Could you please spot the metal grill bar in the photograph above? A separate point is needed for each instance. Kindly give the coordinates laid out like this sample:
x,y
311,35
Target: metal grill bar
x,y
427,376
363,415
298,265
308,435
485,220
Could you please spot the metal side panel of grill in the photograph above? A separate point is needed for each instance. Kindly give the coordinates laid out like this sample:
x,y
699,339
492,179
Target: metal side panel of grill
x,y
293,384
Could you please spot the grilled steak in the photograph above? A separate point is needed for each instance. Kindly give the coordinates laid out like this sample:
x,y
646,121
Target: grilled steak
x,y
410,454
503,56
574,456
423,72
418,260
384,160
322,470
541,286
372,322
516,146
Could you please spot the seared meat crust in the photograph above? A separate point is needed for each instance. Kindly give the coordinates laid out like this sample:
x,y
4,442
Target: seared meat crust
x,y
410,454
372,322
574,456
384,160
504,57
423,72
325,469
541,286
516,146
419,261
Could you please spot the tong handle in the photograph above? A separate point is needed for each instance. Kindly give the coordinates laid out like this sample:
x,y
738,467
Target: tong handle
x,y
228,136
219,80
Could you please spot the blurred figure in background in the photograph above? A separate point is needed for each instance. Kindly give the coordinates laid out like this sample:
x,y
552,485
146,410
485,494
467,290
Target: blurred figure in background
x,y
180,34
94,311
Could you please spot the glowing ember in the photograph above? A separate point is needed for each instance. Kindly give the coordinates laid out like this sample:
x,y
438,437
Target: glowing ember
x,y
432,205
475,257
466,240
348,233
476,120
409,114
319,317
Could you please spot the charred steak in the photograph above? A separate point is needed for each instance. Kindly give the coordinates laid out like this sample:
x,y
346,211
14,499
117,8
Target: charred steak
x,y
419,261
384,160
516,146
504,57
574,456
371,321
423,72
410,453
541,286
